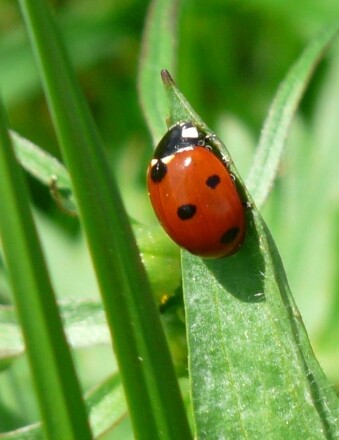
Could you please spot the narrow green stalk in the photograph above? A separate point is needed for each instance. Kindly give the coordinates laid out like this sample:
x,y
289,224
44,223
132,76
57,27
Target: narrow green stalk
x,y
147,373
58,391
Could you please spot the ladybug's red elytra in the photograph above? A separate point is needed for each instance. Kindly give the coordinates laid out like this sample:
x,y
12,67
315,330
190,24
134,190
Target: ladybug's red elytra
x,y
193,194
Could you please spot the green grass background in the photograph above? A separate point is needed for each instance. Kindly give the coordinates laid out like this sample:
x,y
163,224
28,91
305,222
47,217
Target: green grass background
x,y
231,57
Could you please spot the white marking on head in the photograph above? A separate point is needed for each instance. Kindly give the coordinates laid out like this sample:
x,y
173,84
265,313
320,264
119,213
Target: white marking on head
x,y
190,132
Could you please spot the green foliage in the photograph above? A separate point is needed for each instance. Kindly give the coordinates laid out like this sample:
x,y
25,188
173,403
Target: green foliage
x,y
251,365
146,369
53,373
250,361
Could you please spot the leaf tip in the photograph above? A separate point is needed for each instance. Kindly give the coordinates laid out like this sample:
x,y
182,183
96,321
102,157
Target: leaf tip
x,y
167,78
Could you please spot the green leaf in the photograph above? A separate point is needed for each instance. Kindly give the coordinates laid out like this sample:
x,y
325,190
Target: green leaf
x,y
56,384
158,251
44,167
30,432
145,365
252,368
84,323
106,405
281,113
157,53
11,342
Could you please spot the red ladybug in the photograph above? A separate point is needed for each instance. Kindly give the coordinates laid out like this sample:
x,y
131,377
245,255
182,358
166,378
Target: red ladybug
x,y
194,195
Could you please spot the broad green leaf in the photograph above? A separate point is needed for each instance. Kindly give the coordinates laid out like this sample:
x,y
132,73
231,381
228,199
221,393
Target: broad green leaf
x,y
157,53
280,116
251,365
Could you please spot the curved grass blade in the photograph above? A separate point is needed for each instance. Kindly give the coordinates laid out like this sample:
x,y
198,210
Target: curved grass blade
x,y
251,365
280,116
52,369
106,406
84,324
157,53
323,171
30,432
145,365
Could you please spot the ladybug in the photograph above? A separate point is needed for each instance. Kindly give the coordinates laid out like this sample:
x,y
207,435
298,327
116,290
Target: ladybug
x,y
193,194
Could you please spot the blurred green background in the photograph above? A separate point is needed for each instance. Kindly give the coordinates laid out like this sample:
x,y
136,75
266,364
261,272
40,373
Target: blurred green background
x,y
231,56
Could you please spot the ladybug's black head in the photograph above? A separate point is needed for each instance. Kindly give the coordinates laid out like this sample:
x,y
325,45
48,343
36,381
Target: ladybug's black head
x,y
182,135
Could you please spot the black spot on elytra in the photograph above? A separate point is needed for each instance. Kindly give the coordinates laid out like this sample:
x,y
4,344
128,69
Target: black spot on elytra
x,y
229,235
186,212
213,181
158,171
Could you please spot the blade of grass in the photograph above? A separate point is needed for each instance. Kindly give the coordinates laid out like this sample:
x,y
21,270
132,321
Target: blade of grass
x,y
50,360
322,171
252,368
147,373
157,53
280,116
